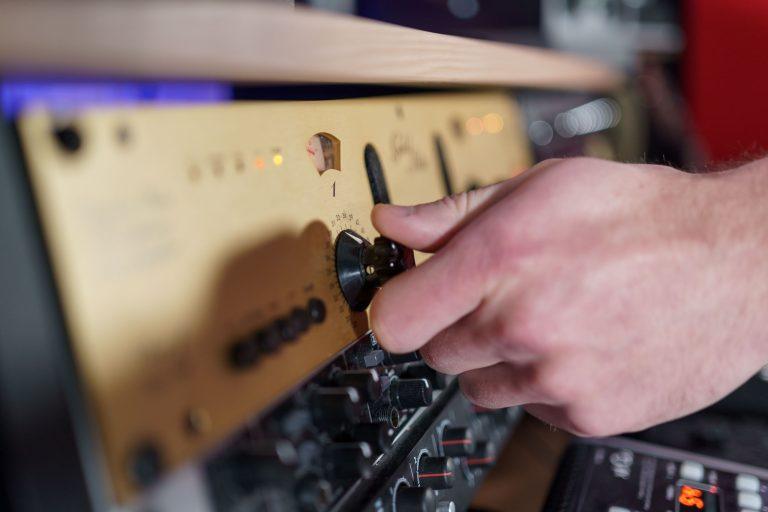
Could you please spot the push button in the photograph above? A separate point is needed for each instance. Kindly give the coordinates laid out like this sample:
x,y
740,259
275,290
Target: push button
x,y
750,500
690,470
749,483
614,508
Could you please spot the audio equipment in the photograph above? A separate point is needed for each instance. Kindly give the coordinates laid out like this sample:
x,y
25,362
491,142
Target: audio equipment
x,y
213,265
623,475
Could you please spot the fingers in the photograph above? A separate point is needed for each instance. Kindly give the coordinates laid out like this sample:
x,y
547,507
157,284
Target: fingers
x,y
416,305
502,385
459,348
428,226
554,415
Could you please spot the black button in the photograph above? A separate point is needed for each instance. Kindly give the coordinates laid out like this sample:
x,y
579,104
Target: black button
x,y
244,353
268,339
300,319
287,329
316,309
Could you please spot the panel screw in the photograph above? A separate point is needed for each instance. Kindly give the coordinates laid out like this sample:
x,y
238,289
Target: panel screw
x,y
198,421
145,464
68,137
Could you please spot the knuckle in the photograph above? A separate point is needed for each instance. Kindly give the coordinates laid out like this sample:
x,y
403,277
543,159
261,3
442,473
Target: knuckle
x,y
458,204
435,359
560,382
549,385
477,392
588,422
516,332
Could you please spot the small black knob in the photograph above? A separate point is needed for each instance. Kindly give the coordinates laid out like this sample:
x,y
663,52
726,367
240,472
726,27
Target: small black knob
x,y
336,407
483,456
268,339
377,435
366,382
422,371
288,329
410,393
385,259
457,441
272,452
316,309
415,499
347,461
409,357
244,353
257,461
301,319
436,472
363,267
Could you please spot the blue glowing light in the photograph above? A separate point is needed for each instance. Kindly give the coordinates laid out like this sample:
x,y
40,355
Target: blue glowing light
x,y
65,96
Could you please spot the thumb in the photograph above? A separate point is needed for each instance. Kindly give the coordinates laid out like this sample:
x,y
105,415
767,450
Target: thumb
x,y
429,226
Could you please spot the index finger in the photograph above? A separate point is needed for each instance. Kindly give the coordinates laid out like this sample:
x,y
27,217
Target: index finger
x,y
416,305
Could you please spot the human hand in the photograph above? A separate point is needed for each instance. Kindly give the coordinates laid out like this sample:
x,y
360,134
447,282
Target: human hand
x,y
606,297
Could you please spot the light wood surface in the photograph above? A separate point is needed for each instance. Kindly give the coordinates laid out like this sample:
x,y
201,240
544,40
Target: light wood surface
x,y
252,42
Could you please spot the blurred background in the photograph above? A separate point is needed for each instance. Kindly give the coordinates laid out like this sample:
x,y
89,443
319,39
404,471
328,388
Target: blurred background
x,y
698,66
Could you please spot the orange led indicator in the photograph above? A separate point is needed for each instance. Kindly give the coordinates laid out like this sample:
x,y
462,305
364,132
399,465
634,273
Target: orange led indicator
x,y
493,122
474,126
691,497
258,162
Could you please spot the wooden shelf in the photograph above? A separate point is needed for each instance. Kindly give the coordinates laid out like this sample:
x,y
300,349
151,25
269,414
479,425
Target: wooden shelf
x,y
253,42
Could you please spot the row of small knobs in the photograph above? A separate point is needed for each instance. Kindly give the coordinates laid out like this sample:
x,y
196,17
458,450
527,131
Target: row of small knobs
x,y
436,473
343,404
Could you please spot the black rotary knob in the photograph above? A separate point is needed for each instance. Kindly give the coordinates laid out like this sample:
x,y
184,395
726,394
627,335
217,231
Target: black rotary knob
x,y
366,382
457,442
336,407
348,461
436,472
363,267
410,393
377,435
422,371
415,499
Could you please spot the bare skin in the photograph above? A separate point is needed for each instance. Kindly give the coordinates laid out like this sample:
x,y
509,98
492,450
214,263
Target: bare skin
x,y
605,297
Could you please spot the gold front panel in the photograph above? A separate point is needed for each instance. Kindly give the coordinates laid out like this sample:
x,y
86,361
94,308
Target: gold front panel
x,y
176,230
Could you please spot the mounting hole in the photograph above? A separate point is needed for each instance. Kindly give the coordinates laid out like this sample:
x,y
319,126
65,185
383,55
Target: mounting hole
x,y
68,138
